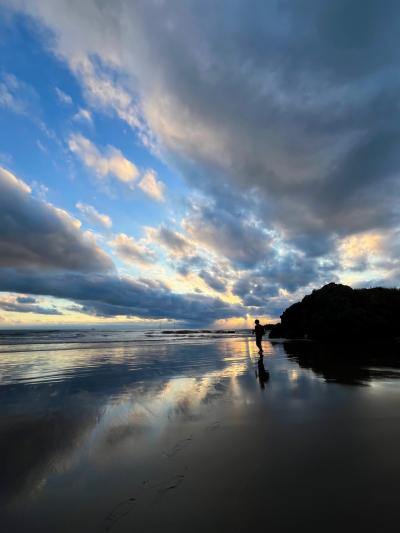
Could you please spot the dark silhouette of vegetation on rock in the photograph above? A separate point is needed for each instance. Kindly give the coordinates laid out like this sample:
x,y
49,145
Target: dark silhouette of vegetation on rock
x,y
268,327
337,312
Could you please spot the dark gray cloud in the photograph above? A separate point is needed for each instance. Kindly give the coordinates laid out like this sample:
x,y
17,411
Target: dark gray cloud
x,y
189,264
290,272
26,300
213,280
232,235
16,307
35,234
175,242
255,290
293,271
110,295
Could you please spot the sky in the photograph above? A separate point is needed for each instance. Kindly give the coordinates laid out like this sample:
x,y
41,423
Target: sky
x,y
194,163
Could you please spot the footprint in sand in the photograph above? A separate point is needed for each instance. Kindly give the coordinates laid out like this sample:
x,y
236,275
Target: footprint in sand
x,y
124,508
119,511
169,484
180,445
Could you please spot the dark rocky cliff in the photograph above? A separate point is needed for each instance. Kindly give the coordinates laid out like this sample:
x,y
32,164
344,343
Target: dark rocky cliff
x,y
339,312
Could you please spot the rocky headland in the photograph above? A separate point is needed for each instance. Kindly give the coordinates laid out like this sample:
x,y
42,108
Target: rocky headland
x,y
338,312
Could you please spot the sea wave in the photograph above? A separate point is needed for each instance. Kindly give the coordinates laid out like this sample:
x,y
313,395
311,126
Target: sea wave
x,y
63,339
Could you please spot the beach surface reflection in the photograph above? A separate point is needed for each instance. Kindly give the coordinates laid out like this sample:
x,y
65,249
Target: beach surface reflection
x,y
107,431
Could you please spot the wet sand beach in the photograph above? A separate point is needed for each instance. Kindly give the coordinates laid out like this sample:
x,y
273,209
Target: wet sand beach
x,y
122,431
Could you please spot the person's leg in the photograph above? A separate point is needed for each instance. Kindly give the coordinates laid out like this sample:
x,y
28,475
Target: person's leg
x,y
258,343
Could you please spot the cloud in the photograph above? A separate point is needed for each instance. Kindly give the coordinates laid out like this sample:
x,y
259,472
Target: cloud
x,y
290,126
16,95
213,280
8,100
93,216
151,186
288,273
83,115
40,190
176,243
188,264
302,109
26,300
106,93
63,97
35,234
255,290
18,307
229,234
356,251
131,251
292,271
111,163
111,295
371,258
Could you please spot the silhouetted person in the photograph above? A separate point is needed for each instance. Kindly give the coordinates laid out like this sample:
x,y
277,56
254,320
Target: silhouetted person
x,y
259,331
263,375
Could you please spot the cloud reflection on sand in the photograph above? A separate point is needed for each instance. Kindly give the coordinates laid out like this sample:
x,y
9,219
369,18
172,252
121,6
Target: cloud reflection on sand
x,y
96,402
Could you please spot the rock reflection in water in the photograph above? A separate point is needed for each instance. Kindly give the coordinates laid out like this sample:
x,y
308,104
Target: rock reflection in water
x,y
350,364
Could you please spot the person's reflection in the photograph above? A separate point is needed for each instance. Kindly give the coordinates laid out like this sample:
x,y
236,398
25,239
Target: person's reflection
x,y
261,373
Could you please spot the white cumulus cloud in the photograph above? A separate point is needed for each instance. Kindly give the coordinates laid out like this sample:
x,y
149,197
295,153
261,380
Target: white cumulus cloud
x,y
83,115
110,163
93,216
151,186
